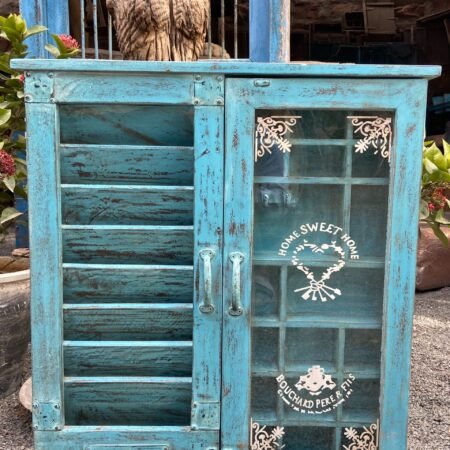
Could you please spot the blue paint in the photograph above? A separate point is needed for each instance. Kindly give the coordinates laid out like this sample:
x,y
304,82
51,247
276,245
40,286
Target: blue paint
x,y
127,349
53,14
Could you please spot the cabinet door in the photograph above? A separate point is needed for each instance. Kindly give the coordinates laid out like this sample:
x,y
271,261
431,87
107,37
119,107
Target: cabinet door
x,y
321,210
127,265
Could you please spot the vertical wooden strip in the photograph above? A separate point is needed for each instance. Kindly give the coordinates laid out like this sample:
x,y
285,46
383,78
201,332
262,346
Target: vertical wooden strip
x,y
259,30
222,26
46,271
95,19
280,31
406,168
235,28
208,226
238,228
83,29
33,12
110,37
54,14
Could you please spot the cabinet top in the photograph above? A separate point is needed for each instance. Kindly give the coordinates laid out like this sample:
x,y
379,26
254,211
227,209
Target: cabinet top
x,y
239,67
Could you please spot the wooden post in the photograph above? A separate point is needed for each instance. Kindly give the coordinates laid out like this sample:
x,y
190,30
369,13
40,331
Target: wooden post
x,y
54,14
270,30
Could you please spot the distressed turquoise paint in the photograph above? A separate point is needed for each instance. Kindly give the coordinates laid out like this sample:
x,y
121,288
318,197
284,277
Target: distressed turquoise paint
x,y
208,182
401,260
45,240
122,236
235,68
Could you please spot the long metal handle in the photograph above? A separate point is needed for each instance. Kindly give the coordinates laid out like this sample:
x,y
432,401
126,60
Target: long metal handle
x,y
236,306
207,306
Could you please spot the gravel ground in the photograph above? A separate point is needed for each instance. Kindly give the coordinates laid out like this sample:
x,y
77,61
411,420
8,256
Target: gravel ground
x,y
429,425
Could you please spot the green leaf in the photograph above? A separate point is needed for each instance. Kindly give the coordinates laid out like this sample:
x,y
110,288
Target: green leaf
x,y
429,166
36,29
10,183
424,212
5,115
439,233
440,218
52,50
59,43
9,214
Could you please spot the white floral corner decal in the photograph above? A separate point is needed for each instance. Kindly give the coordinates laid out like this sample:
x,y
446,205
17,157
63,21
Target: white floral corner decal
x,y
270,133
262,439
376,134
367,439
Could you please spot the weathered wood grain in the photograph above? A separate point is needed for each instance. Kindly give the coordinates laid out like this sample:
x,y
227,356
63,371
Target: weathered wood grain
x,y
128,358
299,69
209,151
127,284
125,124
46,274
117,164
127,400
138,322
115,244
126,205
155,88
176,437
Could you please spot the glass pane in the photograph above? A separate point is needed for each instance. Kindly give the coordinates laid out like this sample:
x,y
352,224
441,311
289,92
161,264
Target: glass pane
x,y
320,215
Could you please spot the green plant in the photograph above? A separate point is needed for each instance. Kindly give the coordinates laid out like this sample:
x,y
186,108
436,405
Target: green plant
x,y
435,188
13,171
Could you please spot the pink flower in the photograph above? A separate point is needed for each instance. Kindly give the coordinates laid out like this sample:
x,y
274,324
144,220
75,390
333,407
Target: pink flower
x,y
22,78
7,166
69,42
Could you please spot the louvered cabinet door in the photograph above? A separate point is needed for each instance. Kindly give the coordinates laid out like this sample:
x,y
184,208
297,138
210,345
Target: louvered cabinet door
x,y
321,210
127,278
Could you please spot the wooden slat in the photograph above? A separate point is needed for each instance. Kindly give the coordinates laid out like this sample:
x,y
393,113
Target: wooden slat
x,y
132,321
127,401
120,124
126,205
132,358
126,164
121,284
128,244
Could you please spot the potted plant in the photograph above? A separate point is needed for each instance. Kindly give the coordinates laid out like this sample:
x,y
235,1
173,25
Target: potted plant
x,y
14,270
433,258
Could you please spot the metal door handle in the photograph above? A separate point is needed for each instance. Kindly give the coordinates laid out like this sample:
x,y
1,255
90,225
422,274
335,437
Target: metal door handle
x,y
207,306
236,307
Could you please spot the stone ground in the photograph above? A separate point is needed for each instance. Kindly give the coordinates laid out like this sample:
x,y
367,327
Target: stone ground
x,y
429,423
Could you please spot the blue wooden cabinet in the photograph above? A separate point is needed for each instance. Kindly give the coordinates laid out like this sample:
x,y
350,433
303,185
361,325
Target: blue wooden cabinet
x,y
223,254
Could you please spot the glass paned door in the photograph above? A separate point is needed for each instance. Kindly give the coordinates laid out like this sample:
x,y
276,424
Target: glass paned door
x,y
307,203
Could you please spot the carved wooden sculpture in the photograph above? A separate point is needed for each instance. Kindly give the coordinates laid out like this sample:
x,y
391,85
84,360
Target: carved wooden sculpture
x,y
160,30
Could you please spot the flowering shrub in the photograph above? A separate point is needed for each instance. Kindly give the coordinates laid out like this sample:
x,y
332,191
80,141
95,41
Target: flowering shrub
x,y
435,188
12,110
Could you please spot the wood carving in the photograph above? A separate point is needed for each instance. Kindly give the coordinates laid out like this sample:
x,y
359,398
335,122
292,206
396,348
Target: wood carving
x,y
160,30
